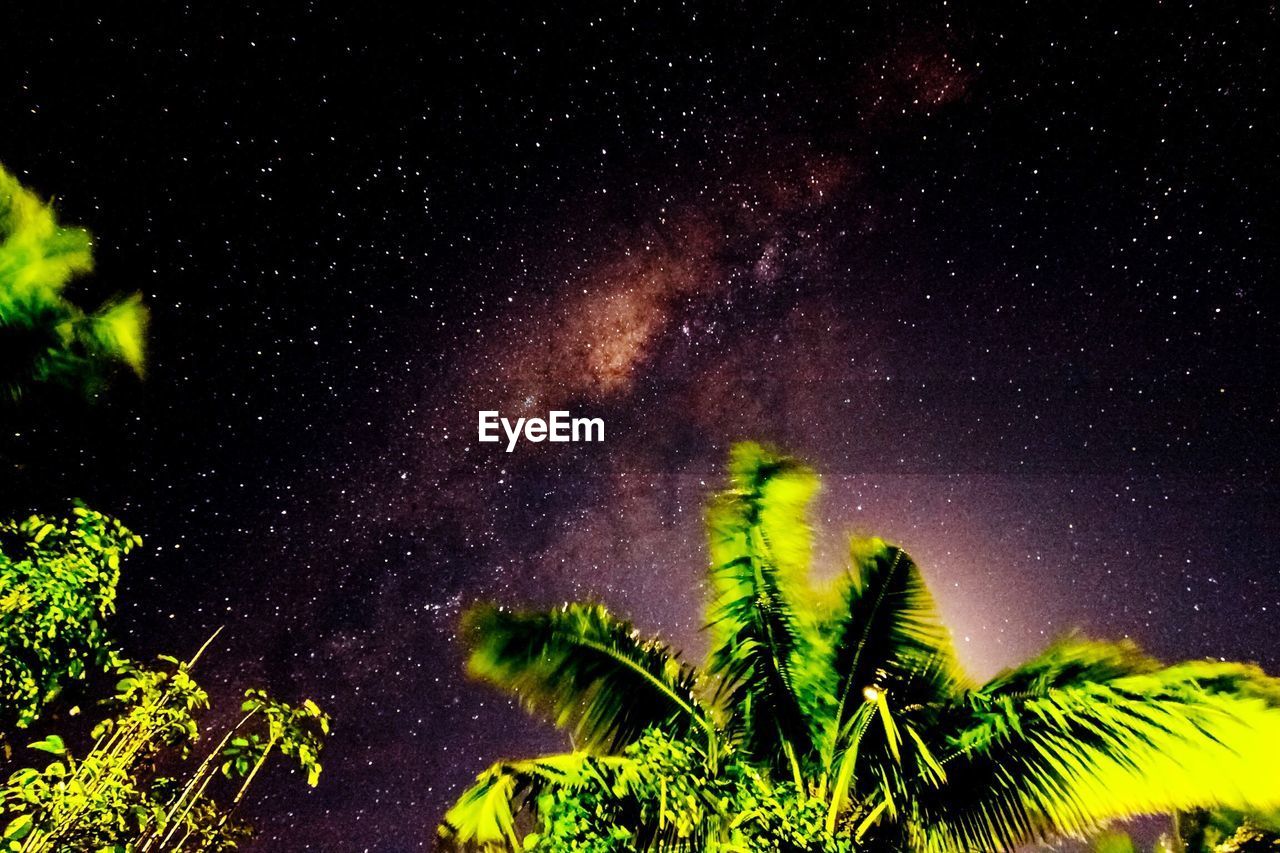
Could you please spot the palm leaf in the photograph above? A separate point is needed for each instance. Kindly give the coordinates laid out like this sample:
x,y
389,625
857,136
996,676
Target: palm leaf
x,y
1090,733
760,545
888,652
484,817
588,670
487,816
44,337
886,636
37,255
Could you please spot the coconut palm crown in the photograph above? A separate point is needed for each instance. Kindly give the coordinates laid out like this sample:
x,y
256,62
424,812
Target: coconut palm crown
x,y
44,336
848,699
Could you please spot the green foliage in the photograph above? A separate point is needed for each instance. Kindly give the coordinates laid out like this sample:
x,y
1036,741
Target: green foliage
x,y
760,546
111,794
1147,739
57,588
298,733
115,798
1228,831
588,670
134,788
44,337
577,822
486,814
837,719
886,630
660,794
1250,838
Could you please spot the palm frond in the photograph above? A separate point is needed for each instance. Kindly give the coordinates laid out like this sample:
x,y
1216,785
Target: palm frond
x,y
760,545
588,670
1091,732
38,256
45,337
1070,661
484,817
888,653
886,636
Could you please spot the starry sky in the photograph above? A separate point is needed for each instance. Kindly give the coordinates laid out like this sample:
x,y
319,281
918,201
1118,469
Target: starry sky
x,y
1001,273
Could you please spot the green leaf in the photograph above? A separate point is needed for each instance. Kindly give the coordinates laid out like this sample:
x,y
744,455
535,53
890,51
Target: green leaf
x,y
24,778
760,544
585,668
49,338
485,815
18,828
1092,732
51,744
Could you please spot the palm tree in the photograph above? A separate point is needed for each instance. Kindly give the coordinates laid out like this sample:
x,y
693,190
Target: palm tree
x,y
847,704
44,337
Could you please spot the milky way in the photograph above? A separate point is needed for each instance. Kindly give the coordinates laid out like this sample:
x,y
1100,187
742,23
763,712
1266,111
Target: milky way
x,y
1001,276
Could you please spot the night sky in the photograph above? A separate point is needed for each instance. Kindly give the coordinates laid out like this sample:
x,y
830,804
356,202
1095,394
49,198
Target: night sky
x,y
1001,274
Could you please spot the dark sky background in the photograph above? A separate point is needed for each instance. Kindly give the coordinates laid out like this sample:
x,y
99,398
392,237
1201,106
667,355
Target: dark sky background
x,y
1002,274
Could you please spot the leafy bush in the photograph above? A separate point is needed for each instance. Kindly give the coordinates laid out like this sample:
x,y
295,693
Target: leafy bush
x,y
57,588
134,786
